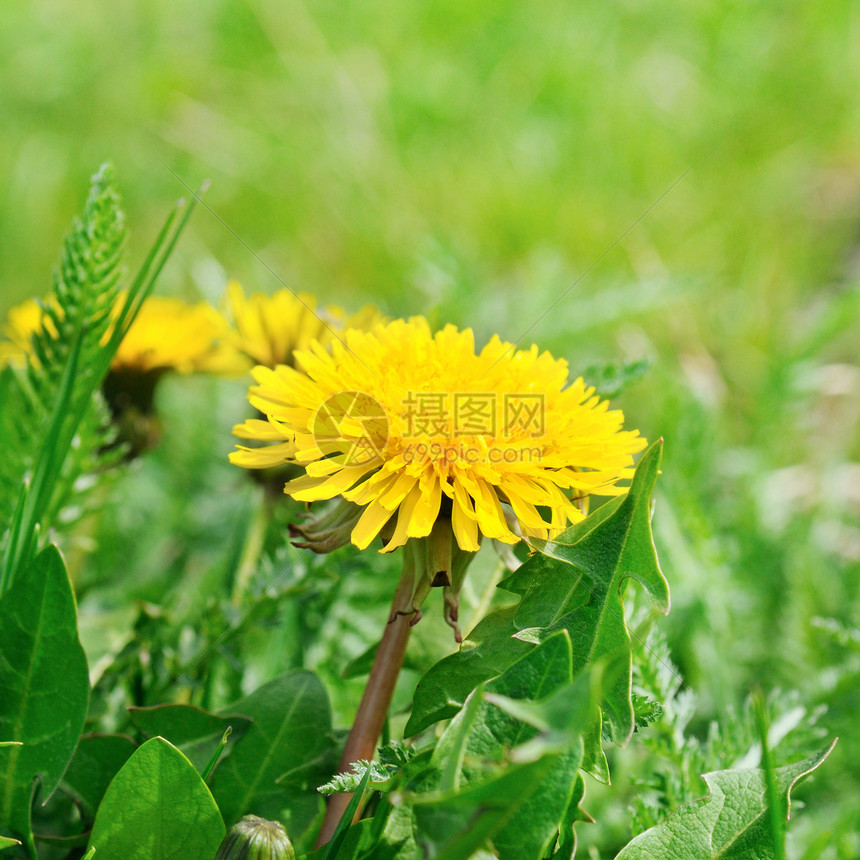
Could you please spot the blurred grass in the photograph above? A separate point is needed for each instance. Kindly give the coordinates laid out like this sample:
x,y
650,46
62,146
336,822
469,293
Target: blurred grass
x,y
472,161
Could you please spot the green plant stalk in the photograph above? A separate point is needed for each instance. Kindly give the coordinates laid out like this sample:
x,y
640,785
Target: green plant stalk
x,y
373,710
254,540
777,825
213,760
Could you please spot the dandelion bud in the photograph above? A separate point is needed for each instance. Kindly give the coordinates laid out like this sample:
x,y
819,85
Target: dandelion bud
x,y
254,838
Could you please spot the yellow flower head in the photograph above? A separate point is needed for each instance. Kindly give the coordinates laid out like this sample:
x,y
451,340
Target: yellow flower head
x,y
170,334
413,426
269,329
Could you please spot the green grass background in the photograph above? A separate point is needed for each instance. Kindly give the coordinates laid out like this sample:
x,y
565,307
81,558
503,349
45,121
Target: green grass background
x,y
675,181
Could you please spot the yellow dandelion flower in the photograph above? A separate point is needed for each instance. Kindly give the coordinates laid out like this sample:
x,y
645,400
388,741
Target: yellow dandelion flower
x,y
269,329
413,427
170,334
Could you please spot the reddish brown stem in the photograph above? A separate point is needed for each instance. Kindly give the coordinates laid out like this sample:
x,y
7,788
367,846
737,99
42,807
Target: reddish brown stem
x,y
364,736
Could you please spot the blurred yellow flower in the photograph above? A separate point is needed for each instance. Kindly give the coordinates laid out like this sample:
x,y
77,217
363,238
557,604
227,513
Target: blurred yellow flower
x,y
269,329
167,334
415,426
170,334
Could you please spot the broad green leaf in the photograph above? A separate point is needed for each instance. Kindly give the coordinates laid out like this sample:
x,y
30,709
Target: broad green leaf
x,y
157,807
97,760
563,718
731,823
195,731
292,719
574,583
541,675
43,676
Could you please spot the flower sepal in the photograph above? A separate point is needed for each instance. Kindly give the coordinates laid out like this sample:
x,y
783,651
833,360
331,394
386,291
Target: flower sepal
x,y
436,561
328,531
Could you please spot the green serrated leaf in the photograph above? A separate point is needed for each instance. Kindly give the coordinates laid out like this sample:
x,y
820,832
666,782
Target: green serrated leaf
x,y
195,731
574,583
97,760
533,829
291,722
157,806
565,848
609,549
511,720
731,822
43,675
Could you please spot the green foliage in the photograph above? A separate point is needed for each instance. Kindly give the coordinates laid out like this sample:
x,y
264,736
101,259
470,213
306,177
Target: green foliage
x,y
43,675
70,357
332,850
573,584
273,768
222,655
732,821
681,756
64,371
380,778
192,730
96,760
157,806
